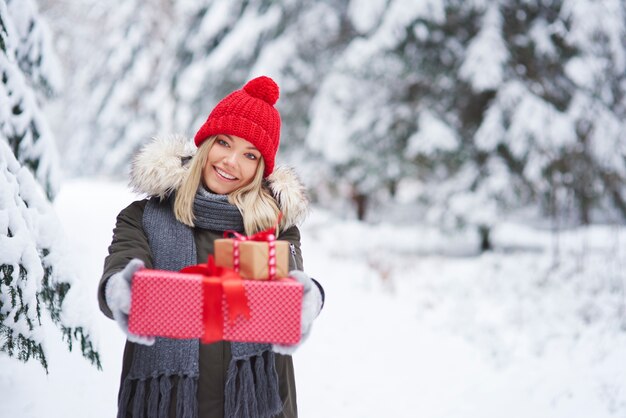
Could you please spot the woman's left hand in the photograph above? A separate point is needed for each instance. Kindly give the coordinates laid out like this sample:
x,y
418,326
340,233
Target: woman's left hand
x,y
312,302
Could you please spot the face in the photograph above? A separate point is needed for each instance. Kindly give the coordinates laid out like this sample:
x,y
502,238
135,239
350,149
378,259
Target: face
x,y
231,164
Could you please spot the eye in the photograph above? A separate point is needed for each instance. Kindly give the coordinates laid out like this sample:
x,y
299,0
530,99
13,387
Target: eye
x,y
222,142
251,156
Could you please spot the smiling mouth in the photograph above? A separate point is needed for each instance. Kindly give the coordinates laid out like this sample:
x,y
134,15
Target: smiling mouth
x,y
224,174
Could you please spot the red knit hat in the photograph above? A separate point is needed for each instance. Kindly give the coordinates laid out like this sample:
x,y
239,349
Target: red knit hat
x,y
248,113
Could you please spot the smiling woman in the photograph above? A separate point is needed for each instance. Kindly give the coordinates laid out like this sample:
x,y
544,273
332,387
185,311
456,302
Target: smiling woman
x,y
229,184
232,163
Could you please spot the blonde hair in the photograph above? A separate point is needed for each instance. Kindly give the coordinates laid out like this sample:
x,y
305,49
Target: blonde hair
x,y
254,201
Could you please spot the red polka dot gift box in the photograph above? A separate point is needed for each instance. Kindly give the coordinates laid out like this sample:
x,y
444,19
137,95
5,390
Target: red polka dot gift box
x,y
213,303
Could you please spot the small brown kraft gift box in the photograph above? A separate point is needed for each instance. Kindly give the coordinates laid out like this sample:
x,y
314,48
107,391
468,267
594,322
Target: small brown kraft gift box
x,y
254,257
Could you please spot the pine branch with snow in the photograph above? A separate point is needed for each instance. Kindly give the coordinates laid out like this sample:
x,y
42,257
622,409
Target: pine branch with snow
x,y
34,275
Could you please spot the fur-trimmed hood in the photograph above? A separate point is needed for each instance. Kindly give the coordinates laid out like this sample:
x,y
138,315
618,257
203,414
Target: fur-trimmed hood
x,y
160,166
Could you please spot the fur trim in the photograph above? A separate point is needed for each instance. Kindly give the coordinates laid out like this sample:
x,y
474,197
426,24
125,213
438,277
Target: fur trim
x,y
161,165
159,168
290,194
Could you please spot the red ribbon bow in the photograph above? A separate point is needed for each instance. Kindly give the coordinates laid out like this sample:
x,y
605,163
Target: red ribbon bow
x,y
269,236
216,283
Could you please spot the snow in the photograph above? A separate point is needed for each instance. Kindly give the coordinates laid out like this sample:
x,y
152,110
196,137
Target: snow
x,y
366,14
483,66
591,21
27,63
540,32
27,227
533,124
240,41
213,24
17,94
329,132
533,329
35,39
433,135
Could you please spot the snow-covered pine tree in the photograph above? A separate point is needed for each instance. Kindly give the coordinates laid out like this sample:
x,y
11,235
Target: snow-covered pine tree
x,y
384,116
558,114
218,46
485,107
164,66
33,274
122,96
24,47
227,42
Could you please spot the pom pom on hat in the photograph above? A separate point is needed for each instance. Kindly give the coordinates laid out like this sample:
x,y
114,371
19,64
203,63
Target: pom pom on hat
x,y
263,88
248,113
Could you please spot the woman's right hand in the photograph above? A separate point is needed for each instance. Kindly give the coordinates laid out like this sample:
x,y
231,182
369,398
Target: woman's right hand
x,y
117,295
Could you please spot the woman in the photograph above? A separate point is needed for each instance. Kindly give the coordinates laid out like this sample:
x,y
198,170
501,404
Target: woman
x,y
228,184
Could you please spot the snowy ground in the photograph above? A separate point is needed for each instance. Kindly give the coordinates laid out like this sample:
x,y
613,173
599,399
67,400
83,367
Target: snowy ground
x,y
536,328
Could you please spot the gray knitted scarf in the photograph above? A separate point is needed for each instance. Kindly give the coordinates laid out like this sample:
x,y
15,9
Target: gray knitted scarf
x,y
169,369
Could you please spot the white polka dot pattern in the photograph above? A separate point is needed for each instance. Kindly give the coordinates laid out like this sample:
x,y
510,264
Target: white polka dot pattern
x,y
166,304
169,304
275,308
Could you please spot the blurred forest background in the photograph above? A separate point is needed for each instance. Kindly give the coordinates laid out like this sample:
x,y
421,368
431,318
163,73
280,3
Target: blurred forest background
x,y
457,114
463,112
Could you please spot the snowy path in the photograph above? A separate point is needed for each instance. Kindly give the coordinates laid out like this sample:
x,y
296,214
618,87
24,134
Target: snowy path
x,y
438,338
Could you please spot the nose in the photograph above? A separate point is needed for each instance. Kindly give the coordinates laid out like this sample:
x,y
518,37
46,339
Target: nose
x,y
230,159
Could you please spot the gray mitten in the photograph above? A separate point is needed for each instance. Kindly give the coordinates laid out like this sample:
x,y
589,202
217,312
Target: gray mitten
x,y
117,295
311,307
